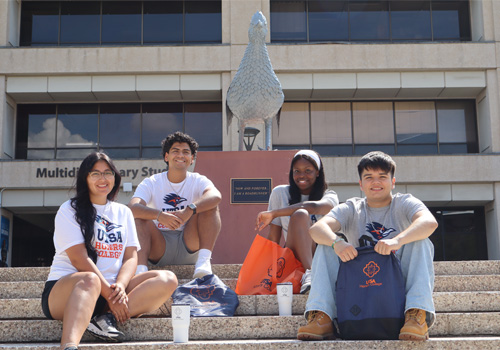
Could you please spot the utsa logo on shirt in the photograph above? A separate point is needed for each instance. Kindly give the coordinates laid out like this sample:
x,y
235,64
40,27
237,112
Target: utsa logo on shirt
x,y
378,231
108,244
173,199
108,225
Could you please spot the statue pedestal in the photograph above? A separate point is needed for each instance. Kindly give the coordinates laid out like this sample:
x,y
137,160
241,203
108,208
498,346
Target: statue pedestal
x,y
238,220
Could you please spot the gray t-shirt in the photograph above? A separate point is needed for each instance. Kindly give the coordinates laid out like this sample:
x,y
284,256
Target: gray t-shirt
x,y
280,198
361,225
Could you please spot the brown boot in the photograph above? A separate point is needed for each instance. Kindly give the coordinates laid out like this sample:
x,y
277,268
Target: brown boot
x,y
319,327
415,327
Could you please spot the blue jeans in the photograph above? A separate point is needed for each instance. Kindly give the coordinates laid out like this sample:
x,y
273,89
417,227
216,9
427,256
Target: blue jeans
x,y
418,272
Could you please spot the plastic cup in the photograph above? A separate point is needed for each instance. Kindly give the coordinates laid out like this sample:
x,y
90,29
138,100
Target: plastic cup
x,y
284,292
180,322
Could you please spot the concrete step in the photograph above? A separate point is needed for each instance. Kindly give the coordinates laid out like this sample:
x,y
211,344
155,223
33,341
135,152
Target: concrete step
x,y
236,328
484,343
452,283
228,271
267,305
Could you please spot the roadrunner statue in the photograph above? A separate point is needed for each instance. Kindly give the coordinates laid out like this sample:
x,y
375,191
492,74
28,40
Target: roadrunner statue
x,y
255,94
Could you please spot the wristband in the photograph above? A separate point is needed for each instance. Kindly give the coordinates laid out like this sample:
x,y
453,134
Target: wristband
x,y
158,216
336,241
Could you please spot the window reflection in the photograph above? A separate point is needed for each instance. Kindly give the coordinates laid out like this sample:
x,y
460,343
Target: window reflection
x,y
288,21
80,22
163,21
40,24
411,20
52,23
123,130
417,126
203,21
119,125
294,125
369,20
328,20
372,122
365,20
204,123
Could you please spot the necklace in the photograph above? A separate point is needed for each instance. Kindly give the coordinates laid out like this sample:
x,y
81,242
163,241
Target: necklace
x,y
388,211
173,189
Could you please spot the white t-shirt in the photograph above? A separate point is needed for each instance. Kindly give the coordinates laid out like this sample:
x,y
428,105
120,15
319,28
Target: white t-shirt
x,y
161,194
114,230
280,198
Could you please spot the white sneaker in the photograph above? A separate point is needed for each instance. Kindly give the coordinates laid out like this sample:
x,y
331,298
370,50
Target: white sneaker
x,y
305,282
202,268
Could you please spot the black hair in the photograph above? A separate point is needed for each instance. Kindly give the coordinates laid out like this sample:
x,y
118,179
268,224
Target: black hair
x,y
180,137
319,186
377,160
85,213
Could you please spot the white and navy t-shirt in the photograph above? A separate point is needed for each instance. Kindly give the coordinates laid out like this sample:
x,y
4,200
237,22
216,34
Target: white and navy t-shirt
x,y
280,198
161,194
114,230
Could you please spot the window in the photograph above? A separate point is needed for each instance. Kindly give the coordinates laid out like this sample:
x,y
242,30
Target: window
x,y
370,20
72,131
356,128
459,228
83,23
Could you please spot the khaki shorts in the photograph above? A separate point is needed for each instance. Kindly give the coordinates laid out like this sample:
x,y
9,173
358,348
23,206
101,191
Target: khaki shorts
x,y
176,252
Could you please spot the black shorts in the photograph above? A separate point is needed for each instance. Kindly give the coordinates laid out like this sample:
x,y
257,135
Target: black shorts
x,y
98,309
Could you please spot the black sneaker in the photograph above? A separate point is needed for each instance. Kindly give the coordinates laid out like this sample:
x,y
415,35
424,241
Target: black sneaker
x,y
71,348
104,328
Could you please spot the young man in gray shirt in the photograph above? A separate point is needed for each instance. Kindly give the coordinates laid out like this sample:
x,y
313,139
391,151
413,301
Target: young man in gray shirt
x,y
400,223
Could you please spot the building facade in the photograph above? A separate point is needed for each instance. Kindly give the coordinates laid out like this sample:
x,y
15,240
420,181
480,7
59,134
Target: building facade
x,y
416,79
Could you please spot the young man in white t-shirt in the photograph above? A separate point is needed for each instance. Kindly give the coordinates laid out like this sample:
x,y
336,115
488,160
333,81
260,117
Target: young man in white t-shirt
x,y
176,212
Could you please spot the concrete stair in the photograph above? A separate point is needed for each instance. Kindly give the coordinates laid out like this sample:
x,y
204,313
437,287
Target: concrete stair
x,y
466,295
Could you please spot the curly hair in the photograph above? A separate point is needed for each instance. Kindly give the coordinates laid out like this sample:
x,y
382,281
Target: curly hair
x,y
85,213
178,136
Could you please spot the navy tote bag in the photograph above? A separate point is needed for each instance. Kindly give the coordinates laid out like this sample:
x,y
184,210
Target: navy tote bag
x,y
370,296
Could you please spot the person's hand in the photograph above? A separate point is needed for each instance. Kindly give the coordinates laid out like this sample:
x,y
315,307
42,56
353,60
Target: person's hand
x,y
264,218
118,294
170,221
345,251
120,311
184,214
386,246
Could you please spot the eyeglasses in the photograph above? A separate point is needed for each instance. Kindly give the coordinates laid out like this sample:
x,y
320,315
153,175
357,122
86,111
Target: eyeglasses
x,y
96,175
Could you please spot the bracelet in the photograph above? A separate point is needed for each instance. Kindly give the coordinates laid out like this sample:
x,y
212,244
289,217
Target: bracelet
x,y
336,241
158,216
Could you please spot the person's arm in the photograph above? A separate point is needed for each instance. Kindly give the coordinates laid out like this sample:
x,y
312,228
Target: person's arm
x,y
422,226
140,210
323,232
210,199
321,207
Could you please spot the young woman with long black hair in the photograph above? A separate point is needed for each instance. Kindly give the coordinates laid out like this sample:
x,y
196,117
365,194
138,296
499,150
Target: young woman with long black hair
x,y
91,284
293,208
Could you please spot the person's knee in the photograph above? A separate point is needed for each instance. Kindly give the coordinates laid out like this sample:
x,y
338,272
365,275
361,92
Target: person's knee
x,y
300,216
90,282
168,280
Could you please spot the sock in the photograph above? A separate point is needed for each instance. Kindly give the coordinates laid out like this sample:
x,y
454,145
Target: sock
x,y
204,254
141,269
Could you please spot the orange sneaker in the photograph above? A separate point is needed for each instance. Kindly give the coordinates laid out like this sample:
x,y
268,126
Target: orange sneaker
x,y
415,327
319,327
